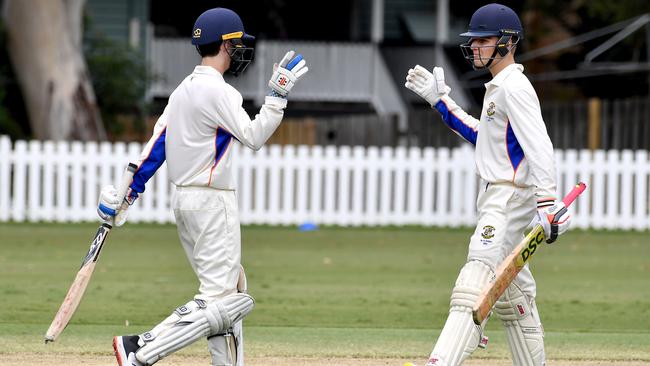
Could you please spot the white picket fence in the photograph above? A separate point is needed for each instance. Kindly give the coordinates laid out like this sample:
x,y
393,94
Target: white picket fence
x,y
286,185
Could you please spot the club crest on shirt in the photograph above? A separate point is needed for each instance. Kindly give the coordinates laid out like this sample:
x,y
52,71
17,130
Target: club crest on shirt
x,y
491,109
488,232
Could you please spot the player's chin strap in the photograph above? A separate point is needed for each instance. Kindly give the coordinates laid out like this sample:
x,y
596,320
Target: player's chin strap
x,y
501,48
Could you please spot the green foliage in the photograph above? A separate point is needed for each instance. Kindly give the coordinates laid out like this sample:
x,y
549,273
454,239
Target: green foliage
x,y
616,11
362,292
120,76
8,126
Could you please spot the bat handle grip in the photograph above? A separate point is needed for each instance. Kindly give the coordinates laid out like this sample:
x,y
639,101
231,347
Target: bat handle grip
x,y
575,192
125,182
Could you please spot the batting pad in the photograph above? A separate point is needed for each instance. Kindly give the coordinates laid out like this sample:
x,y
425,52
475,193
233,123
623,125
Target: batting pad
x,y
225,349
228,349
196,320
460,336
524,331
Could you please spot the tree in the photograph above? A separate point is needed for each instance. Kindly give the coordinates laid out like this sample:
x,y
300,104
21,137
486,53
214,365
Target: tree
x,y
45,46
120,76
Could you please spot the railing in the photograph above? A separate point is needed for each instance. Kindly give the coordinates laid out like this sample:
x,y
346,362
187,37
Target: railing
x,y
286,185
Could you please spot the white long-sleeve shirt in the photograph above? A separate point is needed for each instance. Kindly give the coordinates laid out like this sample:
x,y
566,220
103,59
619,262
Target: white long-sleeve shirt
x,y
203,118
512,144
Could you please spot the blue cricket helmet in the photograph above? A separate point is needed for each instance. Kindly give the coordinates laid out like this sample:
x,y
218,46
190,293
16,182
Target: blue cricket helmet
x,y
494,20
218,24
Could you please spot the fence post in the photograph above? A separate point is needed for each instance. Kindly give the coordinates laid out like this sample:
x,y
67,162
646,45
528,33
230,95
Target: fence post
x,y
593,123
371,216
303,166
428,187
5,170
612,201
641,200
288,187
34,189
49,163
21,159
358,166
317,207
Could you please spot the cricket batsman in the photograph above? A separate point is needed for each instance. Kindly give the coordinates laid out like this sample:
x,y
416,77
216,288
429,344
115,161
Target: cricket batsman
x,y
514,158
202,120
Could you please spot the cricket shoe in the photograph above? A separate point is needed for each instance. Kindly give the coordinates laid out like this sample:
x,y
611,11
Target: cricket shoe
x,y
125,348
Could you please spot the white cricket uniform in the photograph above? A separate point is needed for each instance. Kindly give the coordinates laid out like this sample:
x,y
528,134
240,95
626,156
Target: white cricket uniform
x,y
514,158
202,120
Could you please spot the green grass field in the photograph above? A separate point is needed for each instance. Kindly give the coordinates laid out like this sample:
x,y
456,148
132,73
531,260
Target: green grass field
x,y
331,293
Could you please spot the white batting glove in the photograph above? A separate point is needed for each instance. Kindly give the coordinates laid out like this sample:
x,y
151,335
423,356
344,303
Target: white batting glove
x,y
111,207
430,86
554,217
287,73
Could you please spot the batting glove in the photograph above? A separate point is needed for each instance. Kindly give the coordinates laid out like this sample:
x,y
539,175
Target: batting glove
x,y
430,86
111,207
554,217
286,74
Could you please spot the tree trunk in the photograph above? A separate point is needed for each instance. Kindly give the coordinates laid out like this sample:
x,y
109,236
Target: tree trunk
x,y
44,44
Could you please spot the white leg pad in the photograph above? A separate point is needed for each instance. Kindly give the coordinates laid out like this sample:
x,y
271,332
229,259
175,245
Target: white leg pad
x,y
228,349
524,331
193,321
460,336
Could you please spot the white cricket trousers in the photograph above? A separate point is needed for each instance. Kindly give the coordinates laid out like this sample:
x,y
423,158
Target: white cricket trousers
x,y
504,213
208,227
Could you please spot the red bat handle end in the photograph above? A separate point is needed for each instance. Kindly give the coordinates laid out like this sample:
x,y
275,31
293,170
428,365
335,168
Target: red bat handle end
x,y
575,192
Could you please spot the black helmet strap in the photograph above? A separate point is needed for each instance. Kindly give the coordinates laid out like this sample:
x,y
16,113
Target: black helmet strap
x,y
502,45
501,48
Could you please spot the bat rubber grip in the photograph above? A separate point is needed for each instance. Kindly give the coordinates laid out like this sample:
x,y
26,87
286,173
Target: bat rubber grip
x,y
127,178
125,182
575,192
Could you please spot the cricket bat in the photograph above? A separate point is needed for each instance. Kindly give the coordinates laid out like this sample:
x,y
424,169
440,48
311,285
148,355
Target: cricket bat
x,y
513,263
78,287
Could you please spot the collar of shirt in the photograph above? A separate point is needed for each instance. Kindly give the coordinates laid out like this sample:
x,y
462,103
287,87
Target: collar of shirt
x,y
503,74
207,70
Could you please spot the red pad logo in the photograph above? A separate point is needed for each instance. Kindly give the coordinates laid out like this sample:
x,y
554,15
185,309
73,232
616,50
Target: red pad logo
x,y
521,309
282,81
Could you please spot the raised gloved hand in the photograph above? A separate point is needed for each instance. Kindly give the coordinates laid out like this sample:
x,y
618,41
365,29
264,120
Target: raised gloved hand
x,y
554,217
286,74
430,86
112,207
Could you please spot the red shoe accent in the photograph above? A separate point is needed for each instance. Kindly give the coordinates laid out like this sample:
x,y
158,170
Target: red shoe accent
x,y
117,354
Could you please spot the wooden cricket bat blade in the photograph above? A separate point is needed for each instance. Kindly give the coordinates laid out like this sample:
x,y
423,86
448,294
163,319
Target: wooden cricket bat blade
x,y
79,285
